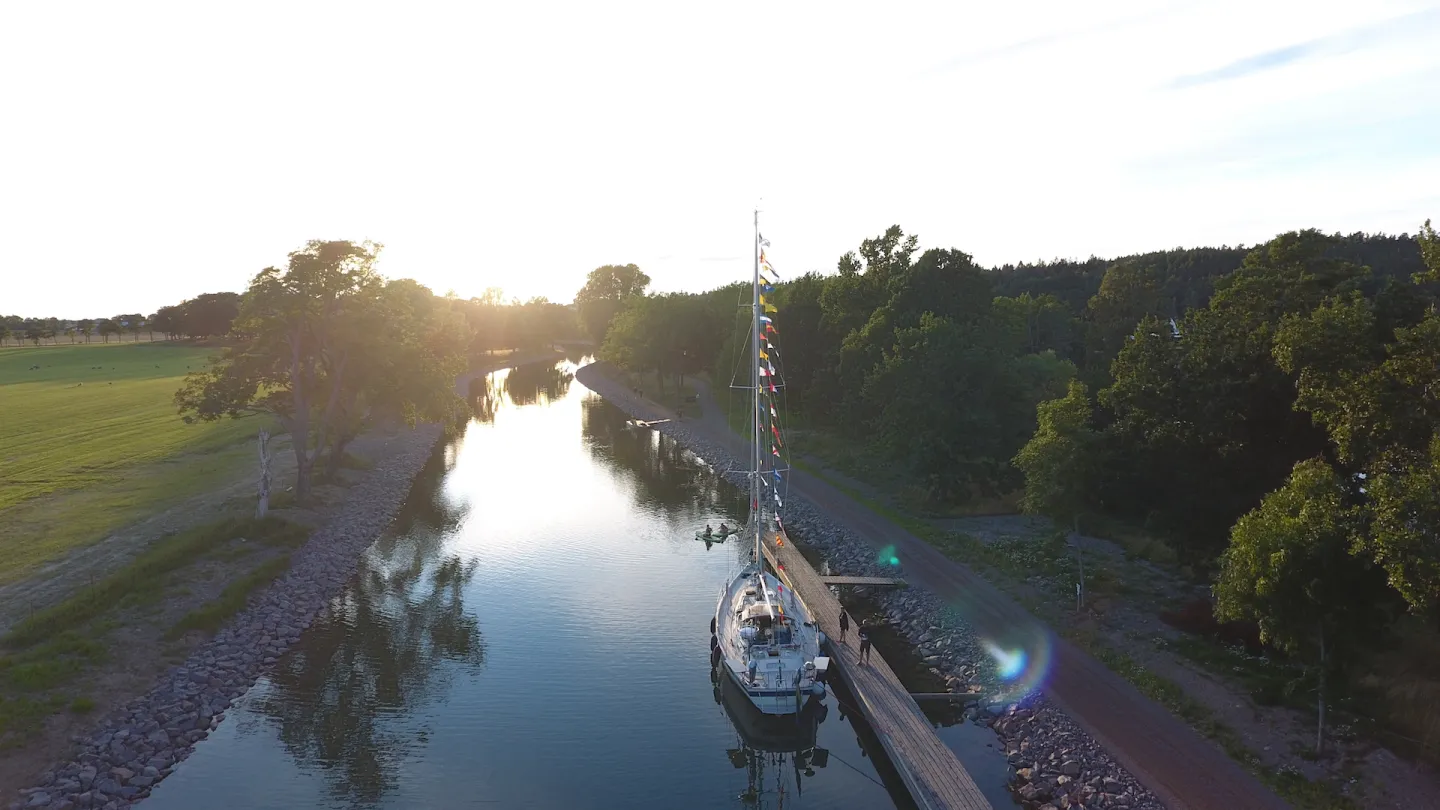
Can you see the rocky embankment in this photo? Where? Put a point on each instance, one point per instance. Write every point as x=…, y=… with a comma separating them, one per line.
x=139, y=744
x=1054, y=763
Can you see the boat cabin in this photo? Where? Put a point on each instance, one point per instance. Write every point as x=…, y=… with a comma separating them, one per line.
x=760, y=629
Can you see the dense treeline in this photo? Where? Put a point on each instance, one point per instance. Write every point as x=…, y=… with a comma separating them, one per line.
x=208, y=315
x=1270, y=412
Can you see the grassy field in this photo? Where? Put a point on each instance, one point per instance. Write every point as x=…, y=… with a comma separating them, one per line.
x=91, y=441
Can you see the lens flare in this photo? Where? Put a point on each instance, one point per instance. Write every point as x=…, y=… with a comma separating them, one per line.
x=1009, y=664
x=888, y=556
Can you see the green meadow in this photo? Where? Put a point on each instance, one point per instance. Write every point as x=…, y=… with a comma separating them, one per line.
x=90, y=441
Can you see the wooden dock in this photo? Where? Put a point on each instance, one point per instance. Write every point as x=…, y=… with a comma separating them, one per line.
x=867, y=582
x=931, y=772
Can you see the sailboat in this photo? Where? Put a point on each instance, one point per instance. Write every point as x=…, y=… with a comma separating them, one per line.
x=763, y=637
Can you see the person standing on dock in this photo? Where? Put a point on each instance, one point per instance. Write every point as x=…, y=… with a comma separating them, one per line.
x=864, y=644
x=844, y=624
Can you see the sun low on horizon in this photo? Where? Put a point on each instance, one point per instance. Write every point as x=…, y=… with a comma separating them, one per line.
x=157, y=151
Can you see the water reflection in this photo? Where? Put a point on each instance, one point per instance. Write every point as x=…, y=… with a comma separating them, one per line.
x=483, y=401
x=538, y=383
x=777, y=753
x=342, y=701
x=666, y=473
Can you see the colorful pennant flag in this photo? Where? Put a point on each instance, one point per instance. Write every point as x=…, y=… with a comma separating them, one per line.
x=770, y=308
x=763, y=241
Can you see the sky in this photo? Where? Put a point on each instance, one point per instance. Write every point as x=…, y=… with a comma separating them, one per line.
x=151, y=152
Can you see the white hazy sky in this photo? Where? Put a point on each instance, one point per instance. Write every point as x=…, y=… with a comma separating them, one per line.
x=150, y=152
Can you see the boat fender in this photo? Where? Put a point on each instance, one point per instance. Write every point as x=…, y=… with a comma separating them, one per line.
x=712, y=625
x=715, y=657
x=714, y=643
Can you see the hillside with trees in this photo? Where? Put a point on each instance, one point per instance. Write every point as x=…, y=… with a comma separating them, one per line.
x=1268, y=413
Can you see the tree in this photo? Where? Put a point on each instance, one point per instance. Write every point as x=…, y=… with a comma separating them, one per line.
x=169, y=320
x=302, y=325
x=86, y=327
x=1058, y=465
x=605, y=292
x=107, y=327
x=1290, y=569
x=1129, y=291
x=409, y=346
x=209, y=315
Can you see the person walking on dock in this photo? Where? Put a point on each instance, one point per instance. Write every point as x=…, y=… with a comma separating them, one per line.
x=844, y=624
x=864, y=644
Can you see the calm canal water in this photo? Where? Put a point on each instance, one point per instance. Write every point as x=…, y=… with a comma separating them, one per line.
x=533, y=633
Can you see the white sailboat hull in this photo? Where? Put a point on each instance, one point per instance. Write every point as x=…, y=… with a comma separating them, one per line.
x=768, y=643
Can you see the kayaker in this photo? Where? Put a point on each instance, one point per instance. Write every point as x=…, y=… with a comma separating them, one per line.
x=709, y=532
x=723, y=530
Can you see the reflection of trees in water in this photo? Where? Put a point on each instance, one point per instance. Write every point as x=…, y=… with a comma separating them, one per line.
x=483, y=399
x=669, y=476
x=341, y=701
x=530, y=384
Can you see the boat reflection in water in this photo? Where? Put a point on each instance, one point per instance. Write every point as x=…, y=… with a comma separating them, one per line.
x=782, y=746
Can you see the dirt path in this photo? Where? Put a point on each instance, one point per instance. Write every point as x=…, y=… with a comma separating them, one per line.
x=1183, y=769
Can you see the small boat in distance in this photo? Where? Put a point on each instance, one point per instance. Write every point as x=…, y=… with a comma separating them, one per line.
x=719, y=536
x=763, y=638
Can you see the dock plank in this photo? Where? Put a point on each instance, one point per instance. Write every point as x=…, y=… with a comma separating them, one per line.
x=871, y=582
x=934, y=776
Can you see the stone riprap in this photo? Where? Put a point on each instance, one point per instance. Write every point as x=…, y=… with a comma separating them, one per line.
x=1054, y=763
x=142, y=742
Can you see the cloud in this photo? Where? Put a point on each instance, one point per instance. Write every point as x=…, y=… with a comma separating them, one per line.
x=1333, y=45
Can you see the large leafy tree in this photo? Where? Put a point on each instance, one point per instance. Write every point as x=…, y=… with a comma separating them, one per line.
x=1205, y=410
x=305, y=326
x=606, y=290
x=1291, y=570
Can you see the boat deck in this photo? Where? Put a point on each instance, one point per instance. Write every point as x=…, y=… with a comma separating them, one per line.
x=934, y=776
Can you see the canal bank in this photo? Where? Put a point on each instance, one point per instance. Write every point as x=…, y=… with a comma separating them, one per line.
x=138, y=744
x=1052, y=758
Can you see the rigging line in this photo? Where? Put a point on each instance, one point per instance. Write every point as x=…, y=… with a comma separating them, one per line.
x=842, y=761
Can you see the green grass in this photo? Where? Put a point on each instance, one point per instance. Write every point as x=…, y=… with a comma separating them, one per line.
x=86, y=450
x=1289, y=785
x=21, y=717
x=212, y=615
x=82, y=705
x=141, y=578
x=51, y=663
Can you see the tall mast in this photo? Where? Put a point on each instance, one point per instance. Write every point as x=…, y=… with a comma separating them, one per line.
x=755, y=385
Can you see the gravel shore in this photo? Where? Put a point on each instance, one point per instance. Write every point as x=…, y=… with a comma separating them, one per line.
x=139, y=744
x=1054, y=763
